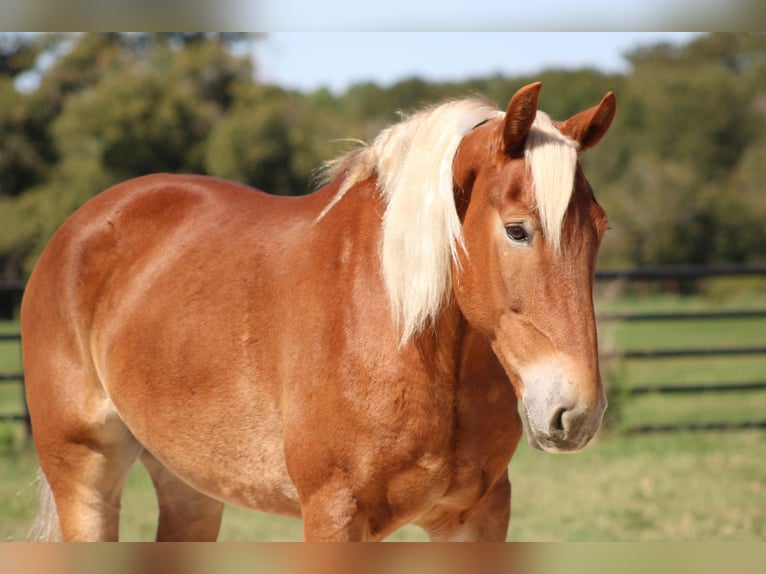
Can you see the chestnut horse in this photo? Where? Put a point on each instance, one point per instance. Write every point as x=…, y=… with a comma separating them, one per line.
x=352, y=357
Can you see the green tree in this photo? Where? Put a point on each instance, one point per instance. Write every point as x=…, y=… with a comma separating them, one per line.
x=18, y=53
x=23, y=161
x=134, y=124
x=264, y=141
x=688, y=120
x=112, y=106
x=26, y=154
x=741, y=210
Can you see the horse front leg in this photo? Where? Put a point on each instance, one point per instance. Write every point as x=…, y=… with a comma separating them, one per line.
x=331, y=514
x=487, y=521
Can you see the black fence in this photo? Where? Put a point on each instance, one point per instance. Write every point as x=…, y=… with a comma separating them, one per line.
x=679, y=272
x=669, y=277
x=684, y=278
x=10, y=297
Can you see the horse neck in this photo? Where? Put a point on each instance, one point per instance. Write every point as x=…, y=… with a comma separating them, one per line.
x=455, y=353
x=445, y=349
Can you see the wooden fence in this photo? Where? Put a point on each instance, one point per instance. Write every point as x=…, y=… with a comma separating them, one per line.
x=671, y=276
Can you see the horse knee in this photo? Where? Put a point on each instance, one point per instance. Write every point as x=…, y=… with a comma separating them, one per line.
x=332, y=514
x=487, y=521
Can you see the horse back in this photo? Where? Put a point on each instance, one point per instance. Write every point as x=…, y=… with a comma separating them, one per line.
x=135, y=240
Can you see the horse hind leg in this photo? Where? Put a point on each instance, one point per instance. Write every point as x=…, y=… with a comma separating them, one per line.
x=185, y=514
x=85, y=473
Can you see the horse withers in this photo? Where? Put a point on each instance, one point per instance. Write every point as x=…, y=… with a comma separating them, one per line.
x=352, y=357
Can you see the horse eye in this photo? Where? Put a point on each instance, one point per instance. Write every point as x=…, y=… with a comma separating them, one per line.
x=517, y=233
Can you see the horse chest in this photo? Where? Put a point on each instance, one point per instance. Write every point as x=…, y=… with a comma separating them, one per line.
x=485, y=434
x=461, y=455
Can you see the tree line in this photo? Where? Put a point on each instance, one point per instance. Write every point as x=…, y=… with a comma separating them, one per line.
x=680, y=174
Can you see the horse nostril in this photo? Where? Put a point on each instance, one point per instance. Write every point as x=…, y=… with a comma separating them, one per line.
x=557, y=421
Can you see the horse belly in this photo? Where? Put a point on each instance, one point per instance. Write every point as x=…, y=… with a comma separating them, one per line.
x=227, y=444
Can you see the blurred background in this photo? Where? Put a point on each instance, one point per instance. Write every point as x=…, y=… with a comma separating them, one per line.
x=681, y=290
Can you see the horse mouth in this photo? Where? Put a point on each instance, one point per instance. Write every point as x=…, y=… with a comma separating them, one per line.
x=545, y=443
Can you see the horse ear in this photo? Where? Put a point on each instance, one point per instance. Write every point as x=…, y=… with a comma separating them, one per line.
x=589, y=126
x=519, y=117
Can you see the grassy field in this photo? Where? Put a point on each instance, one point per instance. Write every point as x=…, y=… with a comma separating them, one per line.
x=679, y=486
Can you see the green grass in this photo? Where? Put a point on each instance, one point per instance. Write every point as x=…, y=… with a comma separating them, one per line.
x=686, y=486
x=18, y=492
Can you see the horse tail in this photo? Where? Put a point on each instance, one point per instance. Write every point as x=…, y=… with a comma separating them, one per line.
x=46, y=526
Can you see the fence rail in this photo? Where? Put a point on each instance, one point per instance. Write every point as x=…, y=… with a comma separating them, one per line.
x=681, y=316
x=686, y=352
x=715, y=426
x=676, y=273
x=681, y=272
x=696, y=388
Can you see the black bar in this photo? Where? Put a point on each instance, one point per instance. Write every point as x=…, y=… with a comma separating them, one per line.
x=681, y=272
x=9, y=377
x=680, y=427
x=12, y=287
x=677, y=353
x=682, y=316
x=698, y=388
x=10, y=336
x=18, y=417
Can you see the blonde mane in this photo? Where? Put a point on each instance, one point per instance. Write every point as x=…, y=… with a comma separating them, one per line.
x=552, y=159
x=421, y=229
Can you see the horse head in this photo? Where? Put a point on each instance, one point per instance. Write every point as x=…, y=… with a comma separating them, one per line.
x=531, y=229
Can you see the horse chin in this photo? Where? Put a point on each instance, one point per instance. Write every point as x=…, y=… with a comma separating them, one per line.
x=533, y=442
x=544, y=444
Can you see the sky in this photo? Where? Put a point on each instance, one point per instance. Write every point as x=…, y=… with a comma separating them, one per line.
x=400, y=15
x=308, y=61
x=498, y=15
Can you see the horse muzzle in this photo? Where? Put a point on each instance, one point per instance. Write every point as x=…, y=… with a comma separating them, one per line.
x=561, y=416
